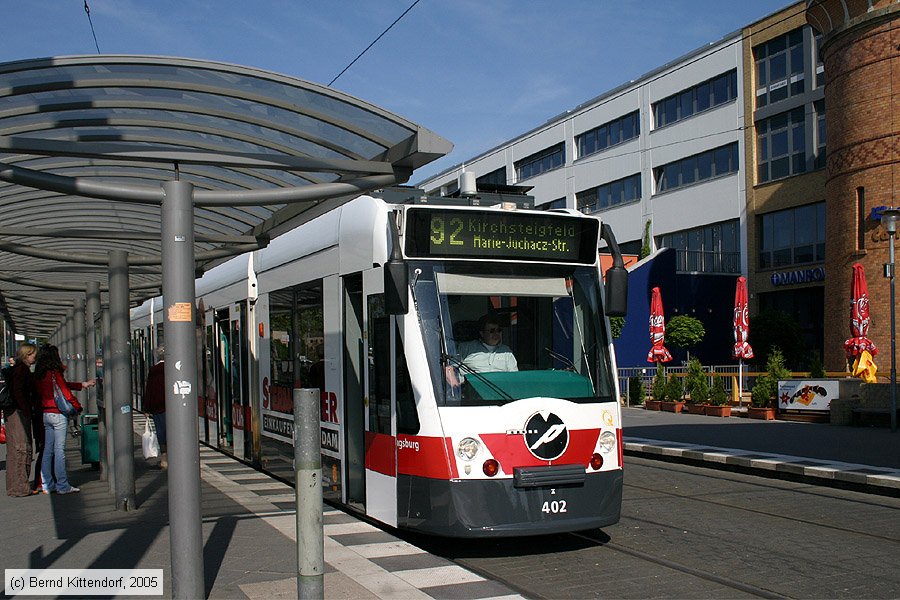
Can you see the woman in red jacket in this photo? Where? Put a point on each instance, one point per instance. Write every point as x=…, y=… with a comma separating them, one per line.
x=49, y=368
x=18, y=423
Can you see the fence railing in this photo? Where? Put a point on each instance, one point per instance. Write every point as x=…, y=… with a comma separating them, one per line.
x=729, y=373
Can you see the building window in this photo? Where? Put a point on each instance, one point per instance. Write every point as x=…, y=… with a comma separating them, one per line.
x=545, y=160
x=795, y=236
x=609, y=134
x=558, y=203
x=711, y=249
x=821, y=154
x=701, y=97
x=697, y=168
x=781, y=142
x=621, y=191
x=497, y=177
x=820, y=64
x=779, y=68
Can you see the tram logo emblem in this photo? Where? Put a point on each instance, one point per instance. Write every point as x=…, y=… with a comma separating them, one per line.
x=546, y=436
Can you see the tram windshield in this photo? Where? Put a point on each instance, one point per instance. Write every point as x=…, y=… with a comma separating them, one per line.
x=507, y=332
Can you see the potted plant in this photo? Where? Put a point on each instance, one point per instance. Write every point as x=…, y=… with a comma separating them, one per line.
x=636, y=391
x=696, y=387
x=674, y=401
x=762, y=396
x=657, y=390
x=718, y=400
x=685, y=332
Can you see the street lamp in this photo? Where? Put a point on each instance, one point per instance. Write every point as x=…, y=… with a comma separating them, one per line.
x=889, y=217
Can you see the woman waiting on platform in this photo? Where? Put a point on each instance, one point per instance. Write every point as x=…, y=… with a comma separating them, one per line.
x=18, y=423
x=49, y=368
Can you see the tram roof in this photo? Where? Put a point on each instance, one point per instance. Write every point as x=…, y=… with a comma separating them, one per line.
x=86, y=143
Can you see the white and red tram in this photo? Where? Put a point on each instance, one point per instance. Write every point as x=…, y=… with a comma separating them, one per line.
x=369, y=302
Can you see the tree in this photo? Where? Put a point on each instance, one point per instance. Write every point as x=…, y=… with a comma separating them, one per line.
x=684, y=332
x=646, y=246
x=615, y=326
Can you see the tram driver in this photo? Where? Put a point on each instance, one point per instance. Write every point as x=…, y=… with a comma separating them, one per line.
x=485, y=355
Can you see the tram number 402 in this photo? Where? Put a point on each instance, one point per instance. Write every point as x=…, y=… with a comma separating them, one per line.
x=554, y=507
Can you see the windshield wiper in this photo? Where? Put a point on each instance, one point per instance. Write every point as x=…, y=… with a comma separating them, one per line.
x=453, y=361
x=563, y=359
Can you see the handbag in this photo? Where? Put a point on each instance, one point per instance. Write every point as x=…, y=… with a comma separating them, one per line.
x=63, y=405
x=149, y=443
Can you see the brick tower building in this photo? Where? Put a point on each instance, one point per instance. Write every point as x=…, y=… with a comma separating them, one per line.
x=861, y=52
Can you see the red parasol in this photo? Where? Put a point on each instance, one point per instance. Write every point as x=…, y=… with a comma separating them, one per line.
x=742, y=349
x=658, y=352
x=859, y=316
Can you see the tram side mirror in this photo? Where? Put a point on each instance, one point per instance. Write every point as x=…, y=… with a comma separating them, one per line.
x=616, y=292
x=616, y=282
x=396, y=288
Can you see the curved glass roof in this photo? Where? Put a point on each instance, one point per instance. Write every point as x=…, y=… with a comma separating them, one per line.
x=260, y=148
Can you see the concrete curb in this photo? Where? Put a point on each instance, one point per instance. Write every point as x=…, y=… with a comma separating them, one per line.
x=876, y=480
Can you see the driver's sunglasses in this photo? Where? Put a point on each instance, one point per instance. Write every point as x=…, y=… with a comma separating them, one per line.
x=492, y=330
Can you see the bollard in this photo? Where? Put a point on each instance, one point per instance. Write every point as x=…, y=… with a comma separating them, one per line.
x=308, y=487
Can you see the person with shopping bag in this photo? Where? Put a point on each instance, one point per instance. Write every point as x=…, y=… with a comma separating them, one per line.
x=58, y=404
x=153, y=403
x=18, y=423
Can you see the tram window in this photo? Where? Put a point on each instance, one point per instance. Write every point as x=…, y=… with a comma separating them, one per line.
x=407, y=416
x=379, y=372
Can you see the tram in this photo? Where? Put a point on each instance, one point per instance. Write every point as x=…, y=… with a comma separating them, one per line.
x=372, y=303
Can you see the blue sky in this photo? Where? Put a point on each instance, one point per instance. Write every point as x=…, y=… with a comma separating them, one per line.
x=476, y=72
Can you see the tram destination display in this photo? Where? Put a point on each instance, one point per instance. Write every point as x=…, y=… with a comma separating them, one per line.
x=457, y=233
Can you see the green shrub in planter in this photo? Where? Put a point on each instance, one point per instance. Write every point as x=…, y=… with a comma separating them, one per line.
x=718, y=396
x=636, y=390
x=696, y=383
x=674, y=389
x=658, y=390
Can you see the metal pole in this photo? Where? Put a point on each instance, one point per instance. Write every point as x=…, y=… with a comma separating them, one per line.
x=105, y=429
x=893, y=344
x=308, y=484
x=92, y=309
x=185, y=532
x=78, y=360
x=120, y=367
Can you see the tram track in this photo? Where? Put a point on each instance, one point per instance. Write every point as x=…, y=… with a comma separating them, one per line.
x=657, y=557
x=761, y=512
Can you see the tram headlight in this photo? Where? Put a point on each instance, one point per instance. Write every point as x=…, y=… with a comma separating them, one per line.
x=607, y=442
x=468, y=448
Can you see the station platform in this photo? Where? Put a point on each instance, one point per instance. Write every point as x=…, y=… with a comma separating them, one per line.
x=249, y=536
x=249, y=522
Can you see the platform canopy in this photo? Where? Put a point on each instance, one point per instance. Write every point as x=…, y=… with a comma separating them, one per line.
x=86, y=143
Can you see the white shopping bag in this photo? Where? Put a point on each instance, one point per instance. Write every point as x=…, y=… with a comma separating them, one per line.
x=149, y=442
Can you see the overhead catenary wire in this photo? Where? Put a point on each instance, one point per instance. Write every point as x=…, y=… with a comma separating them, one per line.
x=87, y=10
x=375, y=41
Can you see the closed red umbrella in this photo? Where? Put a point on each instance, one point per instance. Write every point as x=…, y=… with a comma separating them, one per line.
x=859, y=316
x=658, y=352
x=742, y=349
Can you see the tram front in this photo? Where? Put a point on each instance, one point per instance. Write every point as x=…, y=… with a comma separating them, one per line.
x=518, y=354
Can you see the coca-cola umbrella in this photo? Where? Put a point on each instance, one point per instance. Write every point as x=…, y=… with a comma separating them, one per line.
x=859, y=316
x=658, y=352
x=742, y=349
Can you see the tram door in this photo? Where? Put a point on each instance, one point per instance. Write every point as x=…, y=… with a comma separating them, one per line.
x=381, y=442
x=238, y=377
x=354, y=395
x=229, y=379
